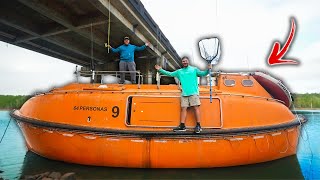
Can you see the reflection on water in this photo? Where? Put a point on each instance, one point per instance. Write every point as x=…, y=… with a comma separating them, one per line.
x=16, y=162
x=12, y=148
x=286, y=168
x=309, y=149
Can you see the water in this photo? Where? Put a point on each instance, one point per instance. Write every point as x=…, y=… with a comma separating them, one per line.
x=15, y=161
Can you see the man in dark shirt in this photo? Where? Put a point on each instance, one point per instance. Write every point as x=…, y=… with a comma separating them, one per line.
x=126, y=52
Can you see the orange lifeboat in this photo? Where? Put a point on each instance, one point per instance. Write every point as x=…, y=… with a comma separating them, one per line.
x=131, y=125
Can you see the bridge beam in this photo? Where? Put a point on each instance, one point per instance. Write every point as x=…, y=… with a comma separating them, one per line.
x=75, y=31
x=60, y=17
x=57, y=32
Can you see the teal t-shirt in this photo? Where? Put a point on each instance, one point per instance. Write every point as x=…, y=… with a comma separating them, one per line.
x=188, y=78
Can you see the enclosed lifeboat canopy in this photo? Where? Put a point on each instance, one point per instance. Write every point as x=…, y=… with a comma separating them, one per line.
x=274, y=87
x=131, y=125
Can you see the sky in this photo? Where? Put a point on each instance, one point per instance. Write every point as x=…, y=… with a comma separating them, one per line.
x=247, y=30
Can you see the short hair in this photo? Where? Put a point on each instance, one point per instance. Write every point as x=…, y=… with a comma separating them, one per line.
x=185, y=57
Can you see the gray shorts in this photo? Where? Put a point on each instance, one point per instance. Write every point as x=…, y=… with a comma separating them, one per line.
x=131, y=66
x=189, y=101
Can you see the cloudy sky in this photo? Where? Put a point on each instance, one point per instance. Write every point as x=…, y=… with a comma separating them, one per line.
x=247, y=30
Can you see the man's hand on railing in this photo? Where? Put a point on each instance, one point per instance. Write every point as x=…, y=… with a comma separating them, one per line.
x=107, y=45
x=157, y=67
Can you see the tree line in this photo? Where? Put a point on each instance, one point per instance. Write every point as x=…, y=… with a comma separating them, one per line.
x=12, y=102
x=306, y=100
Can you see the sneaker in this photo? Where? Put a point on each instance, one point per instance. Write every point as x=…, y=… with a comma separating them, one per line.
x=180, y=128
x=197, y=129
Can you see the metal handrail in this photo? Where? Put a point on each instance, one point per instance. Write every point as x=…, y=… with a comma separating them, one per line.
x=139, y=75
x=112, y=73
x=158, y=78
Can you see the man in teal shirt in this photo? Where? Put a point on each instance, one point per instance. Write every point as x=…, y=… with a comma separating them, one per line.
x=190, y=91
x=127, y=58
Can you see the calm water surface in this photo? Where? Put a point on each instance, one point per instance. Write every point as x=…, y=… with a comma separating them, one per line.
x=15, y=161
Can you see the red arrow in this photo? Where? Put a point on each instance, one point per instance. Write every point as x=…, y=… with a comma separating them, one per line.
x=275, y=56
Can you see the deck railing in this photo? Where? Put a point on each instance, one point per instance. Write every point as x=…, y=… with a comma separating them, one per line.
x=102, y=74
x=141, y=76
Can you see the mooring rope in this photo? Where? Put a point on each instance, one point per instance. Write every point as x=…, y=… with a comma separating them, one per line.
x=264, y=137
x=287, y=134
x=230, y=140
x=5, y=130
x=296, y=114
x=306, y=141
x=311, y=152
x=282, y=152
x=302, y=128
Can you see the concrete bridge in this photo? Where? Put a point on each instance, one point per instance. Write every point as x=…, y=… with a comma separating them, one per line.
x=76, y=30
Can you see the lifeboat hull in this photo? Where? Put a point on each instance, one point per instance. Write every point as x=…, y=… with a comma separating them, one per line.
x=143, y=151
x=117, y=127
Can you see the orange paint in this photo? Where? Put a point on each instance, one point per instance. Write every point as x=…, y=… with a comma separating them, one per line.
x=123, y=126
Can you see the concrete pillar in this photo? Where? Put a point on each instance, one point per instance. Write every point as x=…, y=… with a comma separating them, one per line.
x=149, y=71
x=148, y=74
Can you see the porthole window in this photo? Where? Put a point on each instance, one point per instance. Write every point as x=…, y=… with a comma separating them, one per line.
x=247, y=82
x=229, y=82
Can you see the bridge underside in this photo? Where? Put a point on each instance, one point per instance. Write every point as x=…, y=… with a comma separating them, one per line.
x=76, y=30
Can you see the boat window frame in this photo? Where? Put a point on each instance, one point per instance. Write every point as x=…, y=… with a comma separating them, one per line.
x=224, y=82
x=247, y=85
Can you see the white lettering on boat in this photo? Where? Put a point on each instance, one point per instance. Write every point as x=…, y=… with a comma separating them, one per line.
x=258, y=137
x=290, y=130
x=236, y=139
x=135, y=140
x=276, y=134
x=48, y=131
x=160, y=141
x=209, y=140
x=90, y=137
x=68, y=135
